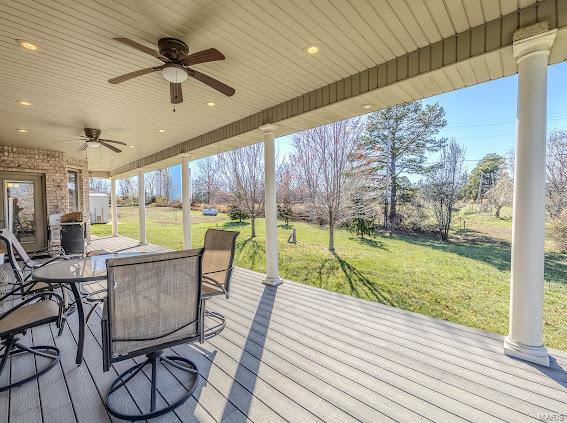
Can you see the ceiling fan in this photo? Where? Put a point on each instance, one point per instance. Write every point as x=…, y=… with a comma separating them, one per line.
x=175, y=55
x=92, y=139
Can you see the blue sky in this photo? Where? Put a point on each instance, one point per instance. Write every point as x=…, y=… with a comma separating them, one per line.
x=481, y=117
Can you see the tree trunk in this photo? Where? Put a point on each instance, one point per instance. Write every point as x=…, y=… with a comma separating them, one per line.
x=253, y=220
x=331, y=237
x=393, y=194
x=498, y=211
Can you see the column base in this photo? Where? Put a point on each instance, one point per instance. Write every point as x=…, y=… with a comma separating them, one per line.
x=142, y=243
x=537, y=355
x=271, y=281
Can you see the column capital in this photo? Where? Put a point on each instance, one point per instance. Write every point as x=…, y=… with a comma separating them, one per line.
x=269, y=128
x=188, y=156
x=533, y=39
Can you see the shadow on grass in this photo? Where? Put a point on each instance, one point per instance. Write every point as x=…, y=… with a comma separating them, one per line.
x=250, y=248
x=232, y=225
x=494, y=252
x=360, y=285
x=369, y=242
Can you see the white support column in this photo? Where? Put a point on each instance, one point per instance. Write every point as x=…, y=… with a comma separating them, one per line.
x=186, y=201
x=113, y=210
x=142, y=205
x=525, y=338
x=270, y=206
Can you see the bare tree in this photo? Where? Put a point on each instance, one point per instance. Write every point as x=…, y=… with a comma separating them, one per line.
x=322, y=157
x=243, y=173
x=501, y=193
x=286, y=194
x=443, y=185
x=99, y=185
x=556, y=173
x=127, y=190
x=207, y=183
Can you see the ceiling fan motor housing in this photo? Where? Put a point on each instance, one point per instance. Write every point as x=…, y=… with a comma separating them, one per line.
x=92, y=133
x=173, y=49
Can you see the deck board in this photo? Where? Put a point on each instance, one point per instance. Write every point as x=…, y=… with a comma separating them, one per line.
x=301, y=354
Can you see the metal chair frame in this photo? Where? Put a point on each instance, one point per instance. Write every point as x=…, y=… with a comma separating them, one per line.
x=11, y=346
x=154, y=356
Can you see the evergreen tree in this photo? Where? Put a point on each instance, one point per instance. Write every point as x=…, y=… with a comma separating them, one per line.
x=484, y=176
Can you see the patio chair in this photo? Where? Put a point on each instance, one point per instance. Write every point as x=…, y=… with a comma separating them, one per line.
x=39, y=309
x=13, y=246
x=218, y=260
x=153, y=305
x=94, y=293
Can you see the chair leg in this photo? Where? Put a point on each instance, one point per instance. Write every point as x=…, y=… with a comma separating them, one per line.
x=154, y=360
x=219, y=319
x=13, y=347
x=91, y=311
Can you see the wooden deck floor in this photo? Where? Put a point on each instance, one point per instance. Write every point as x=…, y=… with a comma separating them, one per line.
x=302, y=354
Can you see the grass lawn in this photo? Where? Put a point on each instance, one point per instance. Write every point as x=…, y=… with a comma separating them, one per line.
x=464, y=281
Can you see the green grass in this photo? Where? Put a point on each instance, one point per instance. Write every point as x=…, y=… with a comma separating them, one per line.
x=464, y=281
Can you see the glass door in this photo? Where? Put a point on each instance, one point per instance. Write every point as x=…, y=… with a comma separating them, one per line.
x=23, y=209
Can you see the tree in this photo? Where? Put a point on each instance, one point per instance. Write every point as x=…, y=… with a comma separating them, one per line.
x=322, y=159
x=362, y=214
x=484, y=175
x=556, y=173
x=443, y=184
x=243, y=172
x=207, y=183
x=99, y=185
x=396, y=141
x=286, y=190
x=501, y=193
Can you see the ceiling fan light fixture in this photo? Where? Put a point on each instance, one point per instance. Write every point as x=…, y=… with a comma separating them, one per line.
x=92, y=144
x=174, y=73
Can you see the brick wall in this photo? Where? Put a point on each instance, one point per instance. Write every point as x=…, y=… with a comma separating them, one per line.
x=53, y=165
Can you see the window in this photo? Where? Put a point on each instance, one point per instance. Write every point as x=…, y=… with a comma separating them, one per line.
x=73, y=188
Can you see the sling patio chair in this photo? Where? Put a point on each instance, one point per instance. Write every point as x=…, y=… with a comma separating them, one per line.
x=152, y=304
x=94, y=293
x=38, y=309
x=218, y=258
x=22, y=276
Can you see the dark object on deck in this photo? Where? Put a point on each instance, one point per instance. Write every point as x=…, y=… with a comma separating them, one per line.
x=217, y=273
x=152, y=304
x=73, y=238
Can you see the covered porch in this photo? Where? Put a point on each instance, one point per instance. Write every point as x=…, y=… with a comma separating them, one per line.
x=299, y=353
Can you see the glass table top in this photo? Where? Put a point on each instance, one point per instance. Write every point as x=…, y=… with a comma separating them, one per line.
x=75, y=270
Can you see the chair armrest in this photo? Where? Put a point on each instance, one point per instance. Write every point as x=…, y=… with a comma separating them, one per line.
x=41, y=295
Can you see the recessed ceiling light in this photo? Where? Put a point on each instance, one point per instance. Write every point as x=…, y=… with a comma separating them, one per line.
x=22, y=130
x=366, y=106
x=25, y=103
x=131, y=146
x=112, y=157
x=161, y=130
x=312, y=49
x=211, y=104
x=26, y=44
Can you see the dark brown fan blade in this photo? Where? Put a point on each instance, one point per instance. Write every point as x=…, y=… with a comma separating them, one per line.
x=141, y=48
x=112, y=141
x=113, y=148
x=211, y=82
x=131, y=75
x=83, y=146
x=175, y=93
x=209, y=55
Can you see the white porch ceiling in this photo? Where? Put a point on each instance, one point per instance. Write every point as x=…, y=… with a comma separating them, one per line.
x=263, y=40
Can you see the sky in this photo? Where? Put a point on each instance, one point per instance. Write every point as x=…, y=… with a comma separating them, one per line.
x=482, y=117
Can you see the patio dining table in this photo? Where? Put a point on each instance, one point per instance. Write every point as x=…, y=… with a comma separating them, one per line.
x=73, y=272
